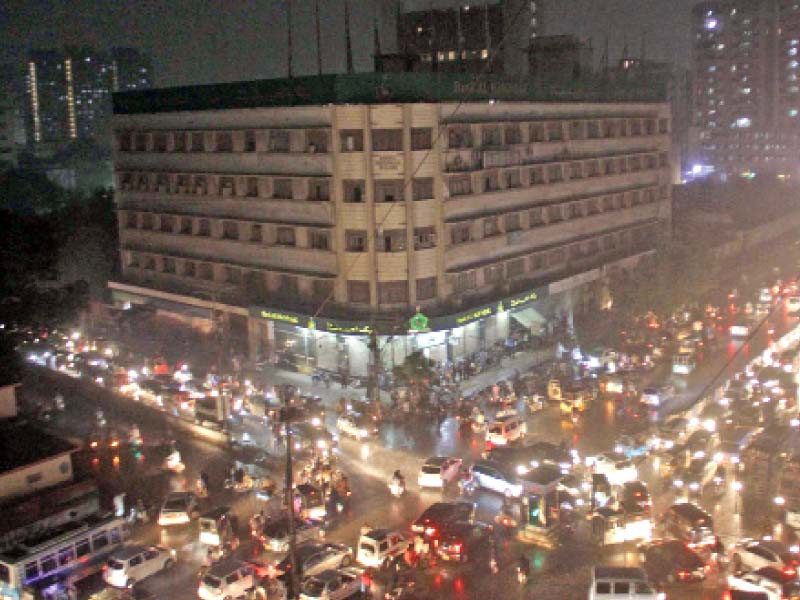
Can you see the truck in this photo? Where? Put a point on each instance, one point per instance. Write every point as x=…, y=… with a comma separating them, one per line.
x=333, y=584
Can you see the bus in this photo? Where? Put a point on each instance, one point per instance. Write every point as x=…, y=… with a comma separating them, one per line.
x=38, y=566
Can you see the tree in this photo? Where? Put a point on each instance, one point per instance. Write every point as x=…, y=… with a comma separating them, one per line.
x=415, y=369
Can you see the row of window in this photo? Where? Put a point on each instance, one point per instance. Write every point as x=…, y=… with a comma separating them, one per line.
x=538, y=262
x=498, y=134
x=270, y=140
x=554, y=172
x=263, y=285
x=539, y=216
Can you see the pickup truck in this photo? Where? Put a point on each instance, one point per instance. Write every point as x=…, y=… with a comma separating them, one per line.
x=333, y=584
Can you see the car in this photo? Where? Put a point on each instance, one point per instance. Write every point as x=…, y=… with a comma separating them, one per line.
x=178, y=508
x=134, y=562
x=315, y=558
x=377, y=546
x=694, y=478
x=332, y=584
x=755, y=554
x=356, y=426
x=434, y=518
x=651, y=396
x=496, y=477
x=740, y=328
x=774, y=582
x=616, y=467
x=522, y=459
x=461, y=540
x=276, y=533
x=793, y=304
x=688, y=523
x=636, y=493
x=308, y=438
x=765, y=295
x=621, y=583
x=671, y=561
x=229, y=578
x=505, y=431
x=439, y=471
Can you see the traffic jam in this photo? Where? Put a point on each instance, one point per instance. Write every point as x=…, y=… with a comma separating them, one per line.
x=682, y=493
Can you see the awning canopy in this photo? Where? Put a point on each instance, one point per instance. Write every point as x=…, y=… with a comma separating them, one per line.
x=529, y=317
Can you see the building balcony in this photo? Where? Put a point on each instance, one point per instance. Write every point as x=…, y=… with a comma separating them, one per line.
x=228, y=163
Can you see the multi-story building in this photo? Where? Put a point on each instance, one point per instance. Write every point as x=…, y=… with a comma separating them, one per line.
x=746, y=86
x=307, y=212
x=69, y=91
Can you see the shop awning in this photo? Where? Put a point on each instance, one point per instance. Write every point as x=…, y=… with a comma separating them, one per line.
x=528, y=317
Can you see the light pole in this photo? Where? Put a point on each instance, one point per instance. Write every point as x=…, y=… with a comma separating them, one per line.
x=286, y=392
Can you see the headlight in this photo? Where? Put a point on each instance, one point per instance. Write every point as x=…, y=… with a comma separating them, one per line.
x=694, y=486
x=322, y=444
x=521, y=470
x=779, y=500
x=315, y=421
x=678, y=483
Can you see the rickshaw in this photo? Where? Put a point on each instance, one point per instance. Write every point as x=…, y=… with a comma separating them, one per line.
x=309, y=502
x=217, y=527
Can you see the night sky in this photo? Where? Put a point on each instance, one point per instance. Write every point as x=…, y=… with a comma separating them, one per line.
x=197, y=41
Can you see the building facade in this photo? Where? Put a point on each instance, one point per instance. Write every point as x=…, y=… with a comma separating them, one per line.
x=69, y=91
x=305, y=227
x=746, y=95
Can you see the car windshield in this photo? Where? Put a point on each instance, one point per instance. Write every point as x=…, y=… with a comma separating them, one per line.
x=113, y=563
x=496, y=429
x=366, y=547
x=175, y=505
x=430, y=469
x=314, y=588
x=212, y=581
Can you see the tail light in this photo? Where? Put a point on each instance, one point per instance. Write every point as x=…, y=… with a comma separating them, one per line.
x=790, y=571
x=683, y=574
x=457, y=548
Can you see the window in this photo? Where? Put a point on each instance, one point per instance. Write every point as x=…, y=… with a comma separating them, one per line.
x=426, y=288
x=535, y=218
x=159, y=142
x=355, y=240
x=141, y=142
x=574, y=210
x=285, y=236
x=387, y=139
x=33, y=478
x=464, y=282
x=319, y=190
x=124, y=141
x=491, y=136
x=536, y=132
x=392, y=240
x=515, y=268
x=282, y=188
x=189, y=269
x=460, y=186
x=133, y=260
x=5, y=574
x=421, y=138
x=150, y=263
x=278, y=140
x=255, y=233
x=82, y=548
x=609, y=129
x=179, y=141
x=352, y=140
x=249, y=141
x=491, y=227
x=198, y=142
x=316, y=141
x=148, y=221
x=643, y=588
x=622, y=587
x=393, y=292
x=576, y=130
x=319, y=240
x=554, y=214
x=554, y=174
x=493, y=274
x=592, y=168
x=206, y=272
x=555, y=132
x=131, y=220
x=459, y=138
x=635, y=164
x=650, y=126
x=167, y=224
x=490, y=183
x=48, y=563
x=353, y=190
x=460, y=233
x=232, y=275
x=230, y=230
x=422, y=188
x=252, y=187
x=536, y=262
x=99, y=540
x=663, y=126
x=513, y=134
x=512, y=179
x=602, y=587
x=389, y=190
x=322, y=289
x=635, y=126
x=593, y=130
x=575, y=170
x=358, y=291
x=204, y=228
x=31, y=570
x=168, y=265
x=424, y=237
x=536, y=176
x=511, y=222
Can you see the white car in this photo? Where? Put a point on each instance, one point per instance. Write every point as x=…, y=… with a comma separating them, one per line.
x=316, y=558
x=178, y=508
x=793, y=304
x=505, y=431
x=332, y=585
x=377, y=546
x=757, y=584
x=616, y=467
x=439, y=471
x=651, y=396
x=355, y=426
x=493, y=476
x=230, y=578
x=132, y=563
x=756, y=554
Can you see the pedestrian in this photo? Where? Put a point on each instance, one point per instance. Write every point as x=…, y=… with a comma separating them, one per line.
x=366, y=584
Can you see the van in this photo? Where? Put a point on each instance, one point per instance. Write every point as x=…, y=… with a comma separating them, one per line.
x=621, y=583
x=505, y=431
x=227, y=579
x=688, y=523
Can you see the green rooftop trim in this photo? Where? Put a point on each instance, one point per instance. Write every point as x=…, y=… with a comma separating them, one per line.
x=380, y=88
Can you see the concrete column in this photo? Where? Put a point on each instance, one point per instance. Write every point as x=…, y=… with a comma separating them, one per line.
x=253, y=337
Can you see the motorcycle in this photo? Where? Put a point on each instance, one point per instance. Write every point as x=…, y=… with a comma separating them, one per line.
x=397, y=487
x=522, y=575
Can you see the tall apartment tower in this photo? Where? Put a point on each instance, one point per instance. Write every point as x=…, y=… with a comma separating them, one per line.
x=746, y=97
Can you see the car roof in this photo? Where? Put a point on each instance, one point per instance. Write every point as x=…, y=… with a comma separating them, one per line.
x=379, y=534
x=129, y=550
x=604, y=572
x=225, y=567
x=773, y=545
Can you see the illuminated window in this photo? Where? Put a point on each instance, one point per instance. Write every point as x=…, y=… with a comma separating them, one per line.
x=743, y=122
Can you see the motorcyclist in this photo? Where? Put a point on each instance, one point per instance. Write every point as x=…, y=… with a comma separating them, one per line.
x=397, y=478
x=524, y=566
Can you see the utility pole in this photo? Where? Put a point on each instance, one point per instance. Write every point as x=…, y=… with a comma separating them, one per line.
x=375, y=369
x=287, y=392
